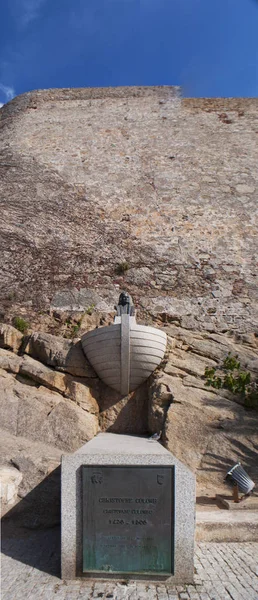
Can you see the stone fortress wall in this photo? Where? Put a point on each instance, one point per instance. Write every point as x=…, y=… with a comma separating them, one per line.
x=135, y=188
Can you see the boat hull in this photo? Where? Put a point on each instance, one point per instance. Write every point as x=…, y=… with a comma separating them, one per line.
x=124, y=354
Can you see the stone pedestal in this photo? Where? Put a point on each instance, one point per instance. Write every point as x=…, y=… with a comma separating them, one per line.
x=127, y=511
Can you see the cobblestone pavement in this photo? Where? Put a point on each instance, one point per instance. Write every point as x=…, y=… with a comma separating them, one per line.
x=30, y=571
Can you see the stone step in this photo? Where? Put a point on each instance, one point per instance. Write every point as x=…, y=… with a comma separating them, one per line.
x=226, y=526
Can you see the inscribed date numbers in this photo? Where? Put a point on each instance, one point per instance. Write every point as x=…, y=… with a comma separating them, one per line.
x=122, y=522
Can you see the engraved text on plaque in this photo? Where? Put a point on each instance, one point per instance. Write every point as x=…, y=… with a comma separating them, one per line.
x=128, y=519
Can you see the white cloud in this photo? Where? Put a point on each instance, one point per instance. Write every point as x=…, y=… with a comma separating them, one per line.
x=6, y=91
x=31, y=10
x=25, y=11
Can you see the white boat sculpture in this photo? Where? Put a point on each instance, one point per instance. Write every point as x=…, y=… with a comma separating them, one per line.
x=124, y=354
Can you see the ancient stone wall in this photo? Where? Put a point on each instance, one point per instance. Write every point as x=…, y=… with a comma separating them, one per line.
x=133, y=188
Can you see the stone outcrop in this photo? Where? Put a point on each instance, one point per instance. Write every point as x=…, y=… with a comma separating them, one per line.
x=160, y=398
x=51, y=402
x=10, y=338
x=123, y=415
x=10, y=479
x=40, y=414
x=36, y=466
x=9, y=361
x=76, y=389
x=46, y=410
x=208, y=429
x=63, y=355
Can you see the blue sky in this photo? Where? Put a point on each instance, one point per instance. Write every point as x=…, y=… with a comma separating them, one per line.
x=209, y=48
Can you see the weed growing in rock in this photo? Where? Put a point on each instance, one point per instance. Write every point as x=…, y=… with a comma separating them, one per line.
x=122, y=268
x=20, y=324
x=230, y=376
x=73, y=326
x=90, y=309
x=11, y=296
x=75, y=329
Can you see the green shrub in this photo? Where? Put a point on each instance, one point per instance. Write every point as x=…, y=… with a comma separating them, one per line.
x=233, y=378
x=20, y=324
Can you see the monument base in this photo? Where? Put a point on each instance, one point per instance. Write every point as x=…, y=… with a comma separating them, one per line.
x=128, y=511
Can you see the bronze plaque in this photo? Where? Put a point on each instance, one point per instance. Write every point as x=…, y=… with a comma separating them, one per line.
x=128, y=519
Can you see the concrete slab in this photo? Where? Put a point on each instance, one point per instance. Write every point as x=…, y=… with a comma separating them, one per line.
x=110, y=443
x=226, y=526
x=250, y=503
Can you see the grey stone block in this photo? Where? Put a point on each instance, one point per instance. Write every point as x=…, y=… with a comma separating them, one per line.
x=116, y=450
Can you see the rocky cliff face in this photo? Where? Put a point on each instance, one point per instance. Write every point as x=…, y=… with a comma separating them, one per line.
x=52, y=402
x=134, y=188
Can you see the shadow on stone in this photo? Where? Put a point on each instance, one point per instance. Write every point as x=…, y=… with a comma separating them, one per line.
x=127, y=414
x=125, y=423
x=206, y=501
x=31, y=529
x=240, y=453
